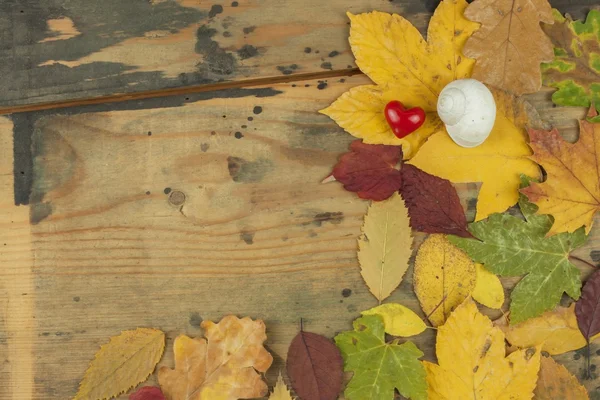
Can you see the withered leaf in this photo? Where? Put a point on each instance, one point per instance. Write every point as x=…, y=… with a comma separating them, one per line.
x=370, y=170
x=510, y=44
x=432, y=202
x=587, y=308
x=556, y=382
x=315, y=367
x=147, y=393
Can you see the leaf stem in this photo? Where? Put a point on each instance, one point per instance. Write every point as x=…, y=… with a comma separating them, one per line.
x=571, y=257
x=588, y=355
x=438, y=306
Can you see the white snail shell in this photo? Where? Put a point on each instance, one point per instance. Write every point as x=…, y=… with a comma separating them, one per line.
x=468, y=109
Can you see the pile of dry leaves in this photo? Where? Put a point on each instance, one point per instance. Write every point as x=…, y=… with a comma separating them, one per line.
x=409, y=180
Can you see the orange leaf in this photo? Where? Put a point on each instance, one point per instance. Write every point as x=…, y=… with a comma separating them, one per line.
x=555, y=382
x=510, y=45
x=571, y=192
x=221, y=367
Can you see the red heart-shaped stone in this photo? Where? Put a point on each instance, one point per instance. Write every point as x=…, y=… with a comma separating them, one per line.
x=403, y=121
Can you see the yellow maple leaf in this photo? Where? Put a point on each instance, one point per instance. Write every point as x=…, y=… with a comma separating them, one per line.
x=571, y=193
x=488, y=289
x=556, y=382
x=221, y=367
x=280, y=391
x=398, y=320
x=497, y=163
x=556, y=331
x=444, y=277
x=405, y=67
x=128, y=359
x=473, y=363
x=385, y=246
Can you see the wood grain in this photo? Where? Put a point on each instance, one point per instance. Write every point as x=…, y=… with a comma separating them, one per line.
x=61, y=50
x=164, y=213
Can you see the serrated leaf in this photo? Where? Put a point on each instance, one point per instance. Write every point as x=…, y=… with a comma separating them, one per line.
x=224, y=366
x=147, y=393
x=556, y=331
x=370, y=170
x=556, y=382
x=497, y=163
x=379, y=367
x=432, y=202
x=509, y=246
x=510, y=45
x=315, y=367
x=472, y=362
x=575, y=70
x=385, y=246
x=405, y=67
x=127, y=360
x=488, y=289
x=398, y=320
x=571, y=192
x=280, y=391
x=444, y=277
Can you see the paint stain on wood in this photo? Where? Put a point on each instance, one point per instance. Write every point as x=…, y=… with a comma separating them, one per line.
x=244, y=171
x=247, y=236
x=332, y=217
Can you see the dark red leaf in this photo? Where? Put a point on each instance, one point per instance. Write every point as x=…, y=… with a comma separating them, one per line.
x=370, y=170
x=432, y=202
x=147, y=393
x=315, y=367
x=587, y=308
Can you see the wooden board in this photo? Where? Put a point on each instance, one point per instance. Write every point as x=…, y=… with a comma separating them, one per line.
x=168, y=212
x=58, y=50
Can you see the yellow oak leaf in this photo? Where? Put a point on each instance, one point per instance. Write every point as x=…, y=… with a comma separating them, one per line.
x=404, y=67
x=124, y=362
x=385, y=246
x=488, y=288
x=571, y=193
x=556, y=331
x=398, y=320
x=473, y=363
x=444, y=277
x=556, y=382
x=280, y=391
x=224, y=366
x=497, y=163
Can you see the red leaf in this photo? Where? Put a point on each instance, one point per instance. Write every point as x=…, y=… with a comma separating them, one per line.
x=147, y=393
x=370, y=170
x=432, y=202
x=315, y=367
x=587, y=308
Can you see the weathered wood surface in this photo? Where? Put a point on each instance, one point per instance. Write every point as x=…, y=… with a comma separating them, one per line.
x=166, y=212
x=57, y=50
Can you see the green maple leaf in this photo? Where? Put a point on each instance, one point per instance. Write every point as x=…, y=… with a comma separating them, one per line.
x=510, y=246
x=575, y=70
x=379, y=367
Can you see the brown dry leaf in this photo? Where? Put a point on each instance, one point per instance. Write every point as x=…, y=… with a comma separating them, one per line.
x=221, y=367
x=127, y=360
x=556, y=382
x=510, y=45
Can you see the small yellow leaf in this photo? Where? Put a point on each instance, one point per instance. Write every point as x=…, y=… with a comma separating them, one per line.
x=385, y=246
x=497, y=163
x=124, y=362
x=473, y=363
x=398, y=320
x=280, y=391
x=444, y=277
x=224, y=366
x=488, y=288
x=392, y=52
x=556, y=331
x=556, y=382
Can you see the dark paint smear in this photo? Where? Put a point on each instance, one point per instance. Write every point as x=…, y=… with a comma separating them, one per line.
x=195, y=319
x=245, y=171
x=287, y=69
x=247, y=236
x=235, y=4
x=249, y=29
x=22, y=53
x=216, y=60
x=204, y=147
x=257, y=110
x=322, y=85
x=167, y=190
x=326, y=65
x=334, y=53
x=307, y=50
x=595, y=255
x=333, y=217
x=247, y=51
x=26, y=149
x=346, y=292
x=238, y=135
x=215, y=10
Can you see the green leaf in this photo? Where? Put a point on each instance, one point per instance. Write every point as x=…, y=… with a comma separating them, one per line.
x=510, y=246
x=575, y=70
x=379, y=367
